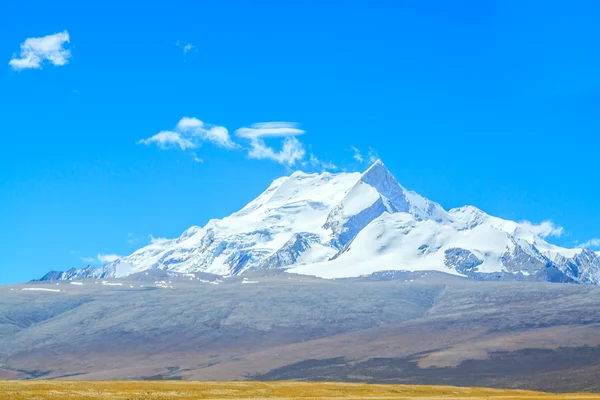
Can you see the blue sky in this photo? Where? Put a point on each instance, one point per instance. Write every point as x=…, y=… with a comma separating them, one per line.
x=493, y=104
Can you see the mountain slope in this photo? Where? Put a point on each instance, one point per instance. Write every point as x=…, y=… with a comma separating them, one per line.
x=351, y=224
x=410, y=327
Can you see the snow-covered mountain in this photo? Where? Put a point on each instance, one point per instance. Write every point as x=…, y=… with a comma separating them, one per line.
x=352, y=224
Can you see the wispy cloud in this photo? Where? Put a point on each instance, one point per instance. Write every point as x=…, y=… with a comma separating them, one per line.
x=169, y=139
x=544, y=229
x=270, y=129
x=189, y=133
x=369, y=158
x=592, y=243
x=373, y=156
x=357, y=154
x=320, y=164
x=35, y=51
x=196, y=158
x=187, y=47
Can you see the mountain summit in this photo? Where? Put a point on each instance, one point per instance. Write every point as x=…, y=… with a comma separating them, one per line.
x=352, y=224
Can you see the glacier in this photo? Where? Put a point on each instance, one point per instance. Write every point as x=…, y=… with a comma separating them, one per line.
x=351, y=224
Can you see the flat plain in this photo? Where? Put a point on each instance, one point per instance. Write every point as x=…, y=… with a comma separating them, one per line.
x=254, y=390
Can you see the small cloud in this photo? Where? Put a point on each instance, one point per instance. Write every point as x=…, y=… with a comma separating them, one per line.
x=370, y=157
x=189, y=133
x=194, y=128
x=270, y=129
x=545, y=229
x=101, y=258
x=592, y=243
x=186, y=47
x=292, y=150
x=373, y=156
x=159, y=240
x=34, y=51
x=357, y=155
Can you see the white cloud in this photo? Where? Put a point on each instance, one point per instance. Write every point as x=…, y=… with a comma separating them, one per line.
x=169, y=139
x=158, y=240
x=595, y=242
x=189, y=123
x=370, y=157
x=102, y=258
x=190, y=133
x=219, y=136
x=194, y=128
x=291, y=151
x=315, y=162
x=357, y=155
x=373, y=156
x=545, y=229
x=270, y=129
x=34, y=51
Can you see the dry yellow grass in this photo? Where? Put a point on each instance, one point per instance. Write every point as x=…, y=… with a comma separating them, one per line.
x=43, y=390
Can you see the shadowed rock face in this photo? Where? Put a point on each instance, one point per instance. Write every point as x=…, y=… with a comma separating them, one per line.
x=391, y=327
x=461, y=260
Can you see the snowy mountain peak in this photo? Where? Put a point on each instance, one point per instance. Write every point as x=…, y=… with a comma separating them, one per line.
x=377, y=164
x=377, y=172
x=382, y=180
x=191, y=231
x=351, y=224
x=468, y=210
x=470, y=216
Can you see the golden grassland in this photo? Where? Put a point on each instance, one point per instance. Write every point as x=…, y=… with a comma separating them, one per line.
x=131, y=390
